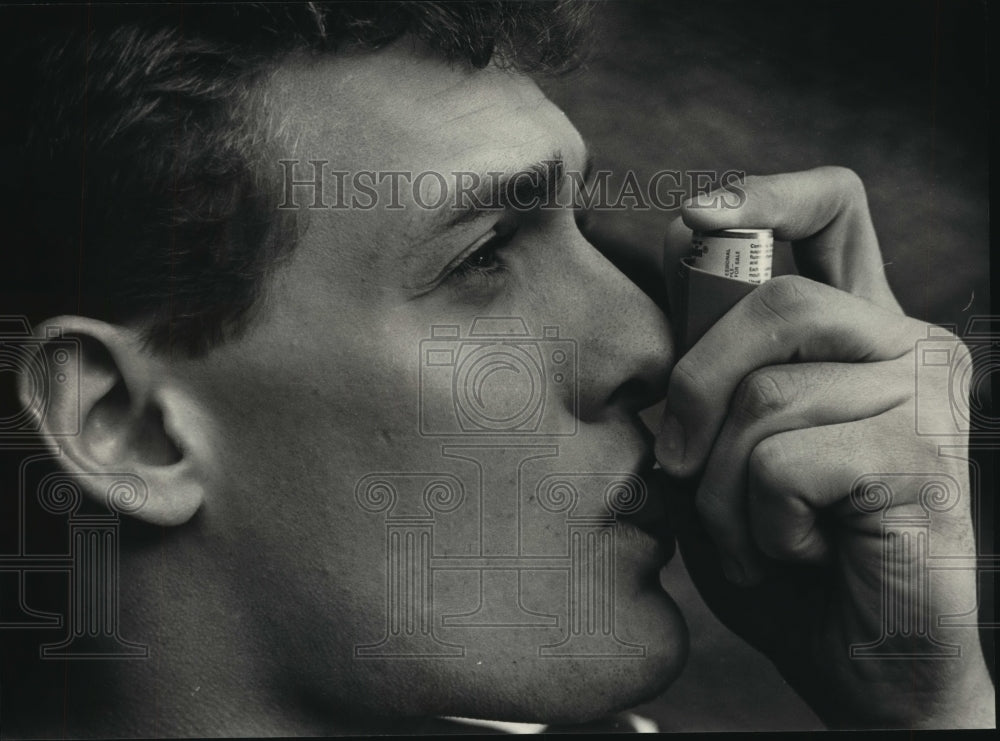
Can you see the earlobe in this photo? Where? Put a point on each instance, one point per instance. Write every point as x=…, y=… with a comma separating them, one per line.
x=112, y=407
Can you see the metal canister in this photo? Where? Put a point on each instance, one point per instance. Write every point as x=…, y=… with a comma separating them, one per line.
x=739, y=254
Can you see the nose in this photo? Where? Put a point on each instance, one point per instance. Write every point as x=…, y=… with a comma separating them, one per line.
x=624, y=343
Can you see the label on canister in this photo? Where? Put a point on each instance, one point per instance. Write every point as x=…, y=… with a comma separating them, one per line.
x=740, y=254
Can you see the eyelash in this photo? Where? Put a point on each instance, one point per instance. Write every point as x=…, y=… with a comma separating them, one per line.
x=472, y=267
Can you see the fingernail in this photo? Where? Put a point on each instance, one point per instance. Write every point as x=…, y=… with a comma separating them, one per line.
x=670, y=442
x=702, y=200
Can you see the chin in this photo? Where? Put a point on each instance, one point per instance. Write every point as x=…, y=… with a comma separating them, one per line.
x=580, y=689
x=503, y=677
x=598, y=687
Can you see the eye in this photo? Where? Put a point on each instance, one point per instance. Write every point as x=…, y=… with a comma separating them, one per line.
x=485, y=261
x=485, y=258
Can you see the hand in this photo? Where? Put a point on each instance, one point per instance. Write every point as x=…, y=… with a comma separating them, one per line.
x=772, y=417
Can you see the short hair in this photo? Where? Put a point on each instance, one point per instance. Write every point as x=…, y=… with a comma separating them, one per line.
x=135, y=175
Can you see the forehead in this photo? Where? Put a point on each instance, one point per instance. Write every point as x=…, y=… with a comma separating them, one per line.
x=404, y=108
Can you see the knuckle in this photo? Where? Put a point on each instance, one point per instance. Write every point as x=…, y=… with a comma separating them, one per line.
x=768, y=465
x=761, y=394
x=846, y=182
x=947, y=389
x=960, y=354
x=771, y=492
x=787, y=297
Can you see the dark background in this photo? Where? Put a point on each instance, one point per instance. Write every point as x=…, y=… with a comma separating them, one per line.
x=897, y=91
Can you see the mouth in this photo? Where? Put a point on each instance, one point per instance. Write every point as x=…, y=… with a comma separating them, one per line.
x=651, y=518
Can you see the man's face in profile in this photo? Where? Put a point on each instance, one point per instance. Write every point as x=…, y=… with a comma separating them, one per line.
x=326, y=391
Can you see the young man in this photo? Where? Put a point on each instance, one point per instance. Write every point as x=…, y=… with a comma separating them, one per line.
x=352, y=503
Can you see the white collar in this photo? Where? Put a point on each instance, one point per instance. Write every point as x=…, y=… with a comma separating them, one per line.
x=639, y=724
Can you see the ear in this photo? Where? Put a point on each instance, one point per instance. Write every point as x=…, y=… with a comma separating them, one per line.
x=113, y=407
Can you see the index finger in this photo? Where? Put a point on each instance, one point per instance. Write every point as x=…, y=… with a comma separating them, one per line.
x=824, y=214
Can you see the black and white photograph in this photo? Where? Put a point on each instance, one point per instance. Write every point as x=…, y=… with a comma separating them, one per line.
x=401, y=368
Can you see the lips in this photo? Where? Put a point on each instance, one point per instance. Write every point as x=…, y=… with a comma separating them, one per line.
x=652, y=518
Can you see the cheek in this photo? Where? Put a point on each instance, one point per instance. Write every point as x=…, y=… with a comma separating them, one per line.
x=309, y=538
x=324, y=448
x=300, y=426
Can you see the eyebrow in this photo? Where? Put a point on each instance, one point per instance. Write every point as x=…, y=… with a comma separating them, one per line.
x=537, y=179
x=538, y=182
